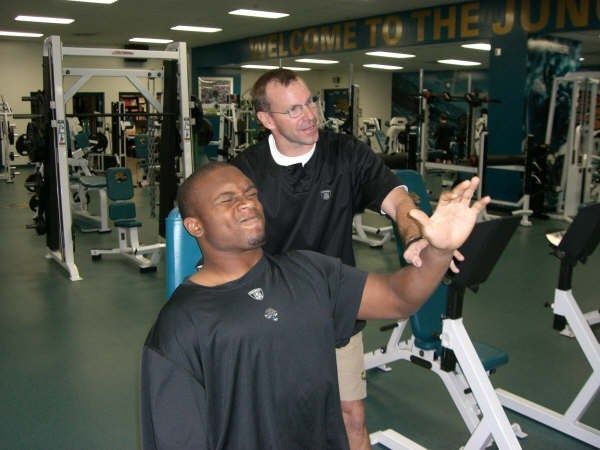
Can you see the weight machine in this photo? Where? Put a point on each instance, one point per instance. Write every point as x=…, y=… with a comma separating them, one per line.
x=82, y=182
x=441, y=343
x=371, y=134
x=477, y=160
x=581, y=164
x=235, y=131
x=58, y=238
x=396, y=135
x=7, y=141
x=579, y=242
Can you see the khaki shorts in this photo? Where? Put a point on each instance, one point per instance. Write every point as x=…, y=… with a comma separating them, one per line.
x=351, y=369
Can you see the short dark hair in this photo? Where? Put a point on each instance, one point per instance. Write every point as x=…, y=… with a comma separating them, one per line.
x=186, y=193
x=258, y=93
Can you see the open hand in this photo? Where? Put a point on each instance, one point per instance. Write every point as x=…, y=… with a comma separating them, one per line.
x=454, y=217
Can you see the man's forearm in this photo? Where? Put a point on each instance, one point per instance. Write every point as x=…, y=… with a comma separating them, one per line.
x=400, y=294
x=414, y=285
x=397, y=205
x=407, y=227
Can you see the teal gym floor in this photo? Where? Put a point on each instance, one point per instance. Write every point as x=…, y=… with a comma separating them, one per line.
x=70, y=351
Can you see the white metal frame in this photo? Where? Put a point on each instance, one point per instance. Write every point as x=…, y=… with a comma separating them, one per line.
x=372, y=236
x=87, y=182
x=576, y=185
x=522, y=205
x=397, y=126
x=468, y=385
x=55, y=51
x=569, y=421
x=8, y=173
x=144, y=256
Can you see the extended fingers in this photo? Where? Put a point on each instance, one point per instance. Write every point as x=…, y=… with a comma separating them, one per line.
x=447, y=196
x=481, y=203
x=465, y=190
x=458, y=256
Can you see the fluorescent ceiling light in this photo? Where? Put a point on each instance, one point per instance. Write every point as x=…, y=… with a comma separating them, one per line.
x=266, y=67
x=478, y=46
x=316, y=61
x=19, y=34
x=151, y=40
x=382, y=66
x=21, y=18
x=391, y=54
x=581, y=58
x=104, y=2
x=258, y=66
x=196, y=29
x=256, y=13
x=458, y=62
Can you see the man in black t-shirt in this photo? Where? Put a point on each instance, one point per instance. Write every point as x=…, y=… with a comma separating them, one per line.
x=312, y=183
x=242, y=356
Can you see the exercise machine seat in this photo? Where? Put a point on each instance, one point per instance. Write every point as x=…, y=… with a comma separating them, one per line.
x=119, y=189
x=426, y=323
x=183, y=253
x=82, y=140
x=93, y=181
x=141, y=146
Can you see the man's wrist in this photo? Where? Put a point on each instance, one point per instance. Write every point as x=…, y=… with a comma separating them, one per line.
x=408, y=242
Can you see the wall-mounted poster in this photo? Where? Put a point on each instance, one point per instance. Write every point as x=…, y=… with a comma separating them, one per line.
x=214, y=90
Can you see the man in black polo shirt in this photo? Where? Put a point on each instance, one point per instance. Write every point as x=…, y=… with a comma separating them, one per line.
x=311, y=184
x=242, y=356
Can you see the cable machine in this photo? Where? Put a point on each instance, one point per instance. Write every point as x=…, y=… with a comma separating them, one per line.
x=581, y=158
x=59, y=240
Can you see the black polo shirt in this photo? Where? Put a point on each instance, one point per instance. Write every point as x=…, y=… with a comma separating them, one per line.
x=312, y=206
x=250, y=364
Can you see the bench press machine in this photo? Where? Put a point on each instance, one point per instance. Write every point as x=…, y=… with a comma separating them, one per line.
x=579, y=242
x=441, y=343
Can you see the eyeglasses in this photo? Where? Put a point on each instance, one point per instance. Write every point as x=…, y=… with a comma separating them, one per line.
x=296, y=111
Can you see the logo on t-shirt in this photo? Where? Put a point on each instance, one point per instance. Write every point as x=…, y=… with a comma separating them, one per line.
x=256, y=294
x=326, y=194
x=271, y=314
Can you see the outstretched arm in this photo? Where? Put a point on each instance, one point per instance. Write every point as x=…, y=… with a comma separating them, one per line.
x=402, y=293
x=397, y=205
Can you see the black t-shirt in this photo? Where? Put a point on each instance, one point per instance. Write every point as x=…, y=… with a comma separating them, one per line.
x=311, y=207
x=250, y=364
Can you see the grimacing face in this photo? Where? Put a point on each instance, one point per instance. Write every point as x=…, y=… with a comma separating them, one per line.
x=230, y=216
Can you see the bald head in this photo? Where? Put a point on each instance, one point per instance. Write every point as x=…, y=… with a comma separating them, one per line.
x=188, y=192
x=220, y=207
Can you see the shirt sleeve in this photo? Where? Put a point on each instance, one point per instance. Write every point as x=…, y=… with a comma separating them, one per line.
x=173, y=405
x=351, y=283
x=372, y=179
x=345, y=285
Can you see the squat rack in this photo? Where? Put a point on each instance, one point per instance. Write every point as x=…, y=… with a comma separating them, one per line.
x=61, y=250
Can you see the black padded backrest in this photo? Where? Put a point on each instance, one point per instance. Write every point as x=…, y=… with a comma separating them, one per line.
x=583, y=235
x=483, y=249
